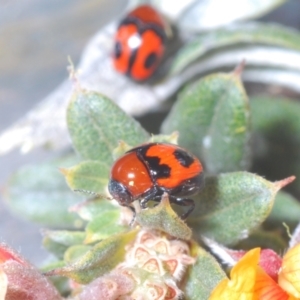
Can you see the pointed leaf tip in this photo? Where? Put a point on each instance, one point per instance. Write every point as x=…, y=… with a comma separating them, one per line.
x=97, y=261
x=64, y=171
x=231, y=206
x=282, y=183
x=238, y=71
x=162, y=217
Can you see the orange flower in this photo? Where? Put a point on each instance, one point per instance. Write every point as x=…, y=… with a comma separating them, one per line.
x=267, y=289
x=242, y=282
x=249, y=282
x=289, y=275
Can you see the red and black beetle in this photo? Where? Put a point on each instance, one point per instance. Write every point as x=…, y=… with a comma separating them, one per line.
x=139, y=43
x=144, y=173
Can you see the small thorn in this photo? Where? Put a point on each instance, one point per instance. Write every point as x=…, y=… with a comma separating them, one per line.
x=64, y=171
x=73, y=73
x=282, y=183
x=174, y=137
x=96, y=196
x=239, y=68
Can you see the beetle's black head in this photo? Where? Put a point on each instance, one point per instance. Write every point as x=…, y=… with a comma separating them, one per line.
x=120, y=192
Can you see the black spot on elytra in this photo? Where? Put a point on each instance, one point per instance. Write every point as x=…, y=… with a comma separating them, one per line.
x=150, y=60
x=118, y=50
x=183, y=157
x=158, y=170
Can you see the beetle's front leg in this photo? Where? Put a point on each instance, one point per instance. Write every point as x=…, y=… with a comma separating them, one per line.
x=153, y=195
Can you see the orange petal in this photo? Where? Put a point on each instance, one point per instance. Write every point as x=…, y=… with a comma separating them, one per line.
x=243, y=276
x=289, y=275
x=224, y=292
x=267, y=289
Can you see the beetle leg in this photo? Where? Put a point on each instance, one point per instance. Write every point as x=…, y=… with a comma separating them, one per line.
x=157, y=199
x=183, y=202
x=145, y=200
x=134, y=215
x=153, y=195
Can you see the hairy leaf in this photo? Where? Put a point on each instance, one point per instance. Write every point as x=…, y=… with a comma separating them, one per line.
x=212, y=117
x=39, y=193
x=99, y=260
x=203, y=276
x=232, y=205
x=90, y=176
x=97, y=125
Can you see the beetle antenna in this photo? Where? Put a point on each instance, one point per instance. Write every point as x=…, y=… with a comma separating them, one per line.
x=95, y=197
x=94, y=194
x=86, y=192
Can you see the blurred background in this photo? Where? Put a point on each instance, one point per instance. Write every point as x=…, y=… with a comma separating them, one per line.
x=36, y=37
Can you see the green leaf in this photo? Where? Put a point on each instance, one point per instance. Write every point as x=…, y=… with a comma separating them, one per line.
x=203, y=276
x=54, y=247
x=276, y=127
x=39, y=193
x=88, y=176
x=162, y=217
x=104, y=226
x=65, y=237
x=102, y=258
x=286, y=209
x=162, y=138
x=231, y=206
x=62, y=284
x=212, y=117
x=75, y=252
x=247, y=33
x=57, y=241
x=52, y=265
x=92, y=208
x=97, y=124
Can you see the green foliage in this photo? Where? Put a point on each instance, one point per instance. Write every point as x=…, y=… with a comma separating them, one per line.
x=98, y=260
x=88, y=176
x=97, y=125
x=163, y=218
x=232, y=205
x=286, y=209
x=244, y=146
x=229, y=208
x=39, y=193
x=212, y=117
x=104, y=226
x=276, y=130
x=203, y=276
x=236, y=208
